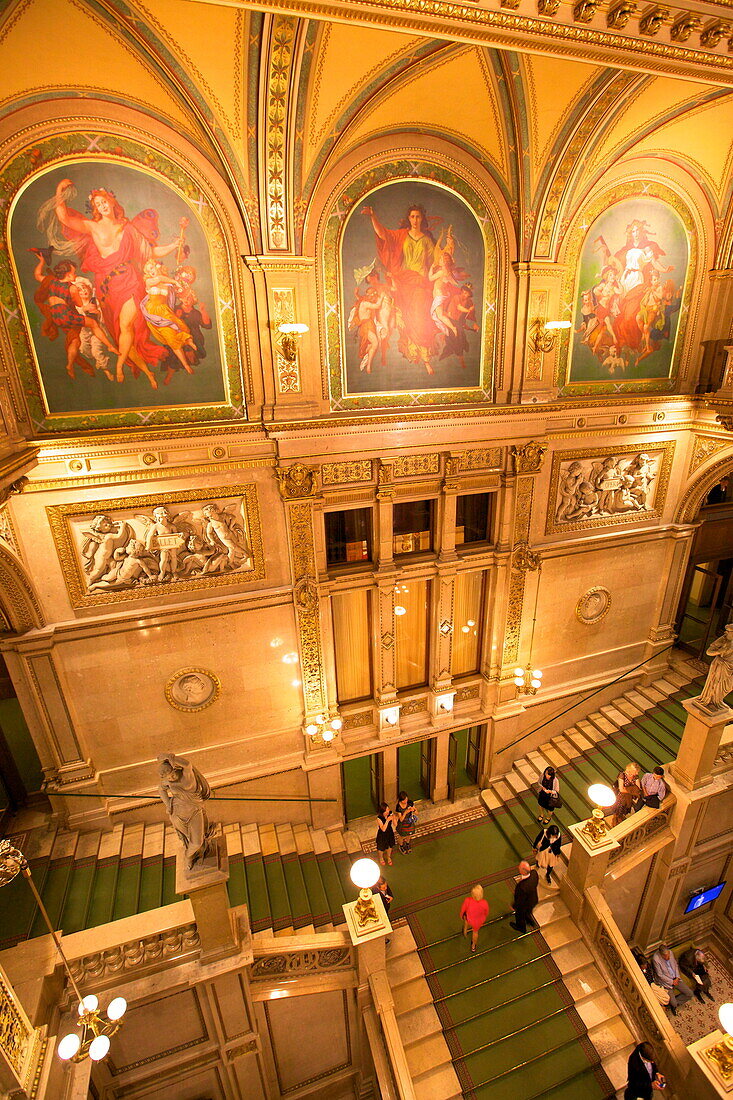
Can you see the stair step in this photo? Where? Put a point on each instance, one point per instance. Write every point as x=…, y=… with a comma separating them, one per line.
x=320, y=841
x=250, y=840
x=527, y=770
x=584, y=983
x=401, y=942
x=424, y=1055
x=639, y=700
x=549, y=910
x=616, y=1067
x=410, y=995
x=598, y=1009
x=297, y=892
x=504, y=791
x=405, y=969
x=613, y=714
x=604, y=724
x=233, y=835
x=439, y=1084
x=419, y=1024
x=590, y=731
x=581, y=742
x=651, y=693
x=111, y=842
x=63, y=846
x=317, y=900
x=352, y=842
x=610, y=1037
x=491, y=799
x=285, y=839
x=303, y=839
x=571, y=957
x=629, y=709
x=268, y=840
x=566, y=747
x=552, y=755
x=336, y=841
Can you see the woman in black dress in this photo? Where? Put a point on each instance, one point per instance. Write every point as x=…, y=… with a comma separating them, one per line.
x=385, y=833
x=546, y=846
x=548, y=795
x=405, y=817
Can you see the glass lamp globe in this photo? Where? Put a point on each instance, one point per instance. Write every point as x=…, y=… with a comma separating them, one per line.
x=99, y=1047
x=117, y=1008
x=725, y=1015
x=89, y=1003
x=364, y=873
x=601, y=795
x=337, y=723
x=68, y=1046
x=328, y=735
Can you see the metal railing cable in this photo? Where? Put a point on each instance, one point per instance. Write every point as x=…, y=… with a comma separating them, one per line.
x=152, y=798
x=585, y=698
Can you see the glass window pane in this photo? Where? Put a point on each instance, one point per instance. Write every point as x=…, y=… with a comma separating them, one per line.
x=467, y=623
x=412, y=527
x=473, y=518
x=411, y=633
x=351, y=613
x=348, y=536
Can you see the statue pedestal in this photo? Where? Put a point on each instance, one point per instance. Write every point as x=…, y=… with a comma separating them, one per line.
x=206, y=887
x=700, y=744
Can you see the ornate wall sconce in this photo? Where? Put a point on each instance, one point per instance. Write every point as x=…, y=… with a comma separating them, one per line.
x=595, y=828
x=444, y=703
x=390, y=715
x=544, y=335
x=527, y=680
x=365, y=874
x=290, y=332
x=322, y=730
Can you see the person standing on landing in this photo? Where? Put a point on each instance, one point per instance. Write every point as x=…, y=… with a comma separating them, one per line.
x=548, y=795
x=385, y=833
x=474, y=913
x=525, y=898
x=406, y=819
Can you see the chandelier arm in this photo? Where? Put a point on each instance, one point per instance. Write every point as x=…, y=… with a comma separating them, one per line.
x=27, y=873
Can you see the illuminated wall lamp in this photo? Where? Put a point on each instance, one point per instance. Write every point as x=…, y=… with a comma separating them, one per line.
x=595, y=828
x=445, y=703
x=324, y=729
x=391, y=716
x=544, y=335
x=527, y=680
x=290, y=333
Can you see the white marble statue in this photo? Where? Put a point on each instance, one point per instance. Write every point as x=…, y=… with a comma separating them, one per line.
x=720, y=676
x=184, y=790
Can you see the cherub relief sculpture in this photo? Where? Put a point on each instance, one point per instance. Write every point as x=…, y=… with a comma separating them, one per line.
x=183, y=791
x=607, y=486
x=162, y=547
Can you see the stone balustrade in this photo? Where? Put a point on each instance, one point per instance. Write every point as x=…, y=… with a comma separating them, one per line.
x=637, y=829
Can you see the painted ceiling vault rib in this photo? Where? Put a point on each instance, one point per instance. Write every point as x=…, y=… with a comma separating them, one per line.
x=144, y=40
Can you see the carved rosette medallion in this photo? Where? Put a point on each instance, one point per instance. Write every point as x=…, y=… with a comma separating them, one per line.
x=593, y=605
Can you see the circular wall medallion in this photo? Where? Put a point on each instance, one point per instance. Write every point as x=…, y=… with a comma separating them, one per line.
x=593, y=605
x=192, y=689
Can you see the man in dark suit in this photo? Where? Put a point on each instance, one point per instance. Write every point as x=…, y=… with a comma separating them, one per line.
x=525, y=898
x=643, y=1076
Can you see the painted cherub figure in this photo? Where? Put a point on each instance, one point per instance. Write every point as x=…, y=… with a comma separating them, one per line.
x=614, y=362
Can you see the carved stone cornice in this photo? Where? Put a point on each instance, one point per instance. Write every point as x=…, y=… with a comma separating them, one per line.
x=591, y=31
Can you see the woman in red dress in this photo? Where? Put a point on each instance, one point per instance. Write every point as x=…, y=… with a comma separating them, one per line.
x=474, y=913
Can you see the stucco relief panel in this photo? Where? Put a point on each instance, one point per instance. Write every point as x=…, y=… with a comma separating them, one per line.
x=604, y=487
x=115, y=550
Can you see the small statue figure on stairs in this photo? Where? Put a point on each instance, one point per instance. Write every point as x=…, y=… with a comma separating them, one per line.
x=183, y=791
x=720, y=676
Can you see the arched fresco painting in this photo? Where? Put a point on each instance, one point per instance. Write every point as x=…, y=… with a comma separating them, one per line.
x=121, y=277
x=630, y=290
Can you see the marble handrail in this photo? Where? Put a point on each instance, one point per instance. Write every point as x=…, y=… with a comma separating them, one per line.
x=636, y=829
x=633, y=991
x=384, y=1005
x=382, y=1065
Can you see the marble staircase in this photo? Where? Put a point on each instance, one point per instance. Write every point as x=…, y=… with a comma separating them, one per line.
x=428, y=1054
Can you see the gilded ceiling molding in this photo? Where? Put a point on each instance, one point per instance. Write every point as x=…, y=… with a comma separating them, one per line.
x=281, y=39
x=128, y=477
x=504, y=30
x=695, y=494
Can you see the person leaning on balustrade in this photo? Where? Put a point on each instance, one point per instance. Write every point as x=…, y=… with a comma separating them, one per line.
x=653, y=788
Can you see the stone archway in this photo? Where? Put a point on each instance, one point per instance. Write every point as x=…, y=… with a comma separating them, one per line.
x=19, y=604
x=695, y=494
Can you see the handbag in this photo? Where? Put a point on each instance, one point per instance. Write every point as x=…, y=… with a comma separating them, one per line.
x=556, y=800
x=411, y=818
